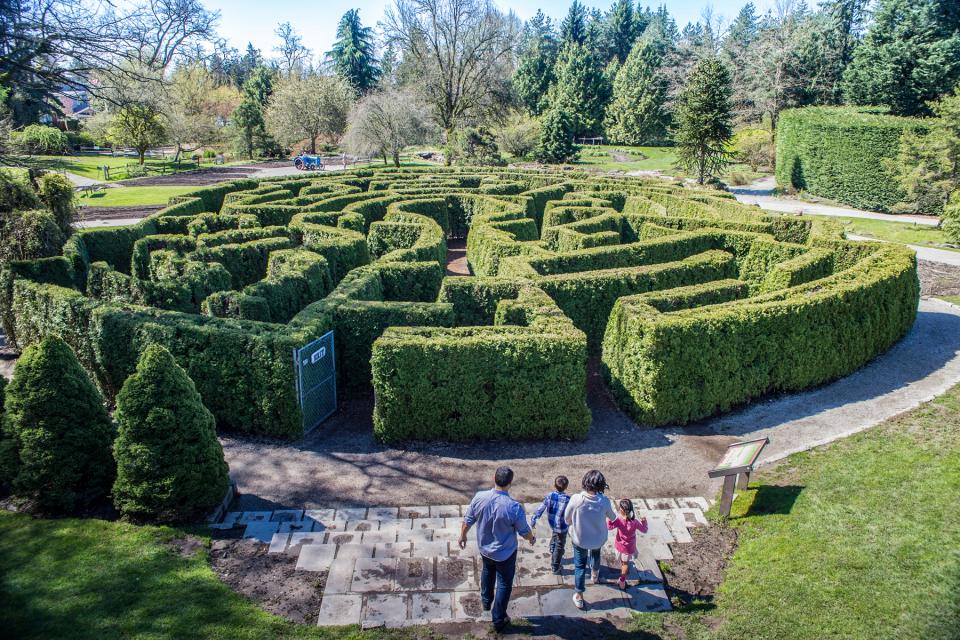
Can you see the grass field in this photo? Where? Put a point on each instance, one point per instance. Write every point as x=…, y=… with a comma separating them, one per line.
x=952, y=299
x=902, y=232
x=131, y=196
x=89, y=166
x=858, y=539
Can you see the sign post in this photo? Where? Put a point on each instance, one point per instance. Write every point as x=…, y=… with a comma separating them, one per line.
x=736, y=464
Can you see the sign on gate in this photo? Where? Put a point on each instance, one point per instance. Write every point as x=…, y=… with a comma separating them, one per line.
x=316, y=376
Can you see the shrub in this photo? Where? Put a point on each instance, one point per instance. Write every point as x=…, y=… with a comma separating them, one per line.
x=61, y=430
x=519, y=136
x=754, y=147
x=556, y=139
x=57, y=195
x=41, y=139
x=474, y=146
x=29, y=234
x=951, y=219
x=16, y=191
x=170, y=465
x=841, y=153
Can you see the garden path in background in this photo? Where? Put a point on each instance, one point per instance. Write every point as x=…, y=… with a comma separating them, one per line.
x=760, y=192
x=340, y=463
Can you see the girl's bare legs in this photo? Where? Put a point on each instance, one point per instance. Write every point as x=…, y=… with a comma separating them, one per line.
x=624, y=570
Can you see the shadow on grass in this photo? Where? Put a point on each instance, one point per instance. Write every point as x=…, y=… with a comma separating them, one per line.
x=573, y=629
x=769, y=499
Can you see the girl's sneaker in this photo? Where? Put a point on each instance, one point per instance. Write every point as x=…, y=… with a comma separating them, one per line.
x=623, y=583
x=578, y=600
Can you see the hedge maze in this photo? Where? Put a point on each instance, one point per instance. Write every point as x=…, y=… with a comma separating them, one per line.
x=693, y=303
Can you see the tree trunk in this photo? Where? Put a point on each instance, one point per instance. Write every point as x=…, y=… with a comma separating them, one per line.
x=448, y=136
x=396, y=159
x=313, y=145
x=142, y=153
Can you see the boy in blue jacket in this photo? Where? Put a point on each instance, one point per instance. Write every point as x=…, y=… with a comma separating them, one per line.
x=554, y=503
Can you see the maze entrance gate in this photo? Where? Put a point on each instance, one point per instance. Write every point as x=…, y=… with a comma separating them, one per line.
x=316, y=377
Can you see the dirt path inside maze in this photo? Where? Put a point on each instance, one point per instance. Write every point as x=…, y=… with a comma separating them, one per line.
x=340, y=464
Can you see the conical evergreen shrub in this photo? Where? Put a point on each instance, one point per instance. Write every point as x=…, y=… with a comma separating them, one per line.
x=170, y=465
x=57, y=434
x=556, y=139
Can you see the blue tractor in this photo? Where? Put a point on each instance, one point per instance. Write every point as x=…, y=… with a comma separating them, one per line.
x=305, y=162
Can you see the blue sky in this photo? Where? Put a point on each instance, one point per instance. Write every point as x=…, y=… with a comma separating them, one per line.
x=254, y=21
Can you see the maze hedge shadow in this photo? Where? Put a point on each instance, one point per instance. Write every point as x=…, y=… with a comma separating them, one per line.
x=695, y=302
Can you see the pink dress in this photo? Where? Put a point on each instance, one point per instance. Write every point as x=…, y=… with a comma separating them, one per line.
x=626, y=539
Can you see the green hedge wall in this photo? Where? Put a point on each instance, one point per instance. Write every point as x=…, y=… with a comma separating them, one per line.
x=503, y=382
x=840, y=153
x=668, y=368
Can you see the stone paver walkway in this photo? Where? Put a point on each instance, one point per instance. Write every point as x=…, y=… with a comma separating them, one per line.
x=394, y=567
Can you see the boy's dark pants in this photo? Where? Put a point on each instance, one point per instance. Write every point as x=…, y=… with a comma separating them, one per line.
x=557, y=543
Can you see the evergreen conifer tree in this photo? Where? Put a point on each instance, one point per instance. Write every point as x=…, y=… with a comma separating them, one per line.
x=57, y=432
x=621, y=28
x=636, y=114
x=352, y=53
x=573, y=29
x=170, y=465
x=703, y=120
x=556, y=138
x=581, y=89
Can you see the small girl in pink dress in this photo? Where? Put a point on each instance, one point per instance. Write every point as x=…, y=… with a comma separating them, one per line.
x=627, y=526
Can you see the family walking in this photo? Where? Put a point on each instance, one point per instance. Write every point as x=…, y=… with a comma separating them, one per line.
x=586, y=517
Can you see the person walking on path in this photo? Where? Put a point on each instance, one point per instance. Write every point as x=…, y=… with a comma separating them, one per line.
x=499, y=520
x=554, y=504
x=627, y=526
x=586, y=516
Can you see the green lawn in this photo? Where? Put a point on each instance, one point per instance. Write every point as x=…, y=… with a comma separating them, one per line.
x=131, y=196
x=952, y=299
x=902, y=232
x=858, y=539
x=604, y=158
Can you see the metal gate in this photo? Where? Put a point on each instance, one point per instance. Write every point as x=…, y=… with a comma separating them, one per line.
x=316, y=375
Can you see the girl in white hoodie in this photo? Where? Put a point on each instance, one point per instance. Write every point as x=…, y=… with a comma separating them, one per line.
x=586, y=515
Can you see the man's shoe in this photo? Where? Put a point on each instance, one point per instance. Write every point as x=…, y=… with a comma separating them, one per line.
x=486, y=605
x=558, y=571
x=502, y=625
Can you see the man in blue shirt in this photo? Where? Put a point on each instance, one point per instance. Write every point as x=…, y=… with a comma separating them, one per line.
x=499, y=520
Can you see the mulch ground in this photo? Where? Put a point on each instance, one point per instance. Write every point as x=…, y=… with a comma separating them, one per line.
x=202, y=177
x=938, y=279
x=698, y=567
x=270, y=580
x=120, y=213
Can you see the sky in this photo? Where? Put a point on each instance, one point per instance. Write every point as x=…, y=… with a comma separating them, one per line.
x=243, y=21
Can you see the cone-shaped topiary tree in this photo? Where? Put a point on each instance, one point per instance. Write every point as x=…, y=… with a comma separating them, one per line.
x=170, y=464
x=556, y=139
x=56, y=431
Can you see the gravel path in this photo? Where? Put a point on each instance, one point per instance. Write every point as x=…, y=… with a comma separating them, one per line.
x=340, y=464
x=760, y=192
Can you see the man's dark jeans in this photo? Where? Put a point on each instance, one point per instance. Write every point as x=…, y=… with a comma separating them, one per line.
x=558, y=543
x=500, y=574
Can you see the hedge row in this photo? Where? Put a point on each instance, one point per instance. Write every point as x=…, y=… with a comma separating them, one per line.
x=511, y=382
x=686, y=364
x=840, y=153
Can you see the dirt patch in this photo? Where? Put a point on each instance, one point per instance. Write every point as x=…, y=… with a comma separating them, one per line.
x=938, y=279
x=698, y=567
x=187, y=546
x=457, y=258
x=199, y=178
x=620, y=156
x=271, y=580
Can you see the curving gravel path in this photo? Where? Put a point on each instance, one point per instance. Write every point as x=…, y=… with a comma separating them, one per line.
x=340, y=464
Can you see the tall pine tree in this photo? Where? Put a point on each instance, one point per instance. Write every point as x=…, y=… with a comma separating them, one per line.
x=247, y=118
x=636, y=114
x=703, y=120
x=352, y=53
x=581, y=89
x=910, y=56
x=621, y=27
x=535, y=67
x=573, y=29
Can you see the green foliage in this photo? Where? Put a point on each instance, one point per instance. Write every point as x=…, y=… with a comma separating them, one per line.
x=519, y=136
x=556, y=139
x=474, y=146
x=16, y=191
x=247, y=118
x=754, y=147
x=951, y=219
x=60, y=429
x=927, y=166
x=637, y=113
x=668, y=363
x=910, y=56
x=842, y=153
x=170, y=465
x=139, y=126
x=703, y=120
x=535, y=66
x=353, y=53
x=581, y=89
x=473, y=383
x=58, y=196
x=41, y=140
x=29, y=234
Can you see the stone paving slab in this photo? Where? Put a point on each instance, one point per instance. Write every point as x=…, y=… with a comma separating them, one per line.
x=390, y=566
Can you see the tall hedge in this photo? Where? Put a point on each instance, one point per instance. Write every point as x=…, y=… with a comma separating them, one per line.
x=840, y=153
x=55, y=421
x=170, y=465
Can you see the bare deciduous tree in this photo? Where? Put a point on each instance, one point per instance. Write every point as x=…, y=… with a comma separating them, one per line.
x=294, y=55
x=385, y=122
x=463, y=52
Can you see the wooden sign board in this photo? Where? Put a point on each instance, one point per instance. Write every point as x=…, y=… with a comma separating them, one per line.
x=740, y=457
